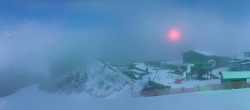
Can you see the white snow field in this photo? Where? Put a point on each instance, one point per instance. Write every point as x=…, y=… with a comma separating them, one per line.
x=31, y=98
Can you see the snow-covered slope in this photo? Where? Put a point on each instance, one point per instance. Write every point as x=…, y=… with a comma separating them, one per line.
x=94, y=78
x=102, y=79
x=32, y=99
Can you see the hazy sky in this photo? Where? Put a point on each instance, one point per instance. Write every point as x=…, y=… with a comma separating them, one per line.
x=123, y=29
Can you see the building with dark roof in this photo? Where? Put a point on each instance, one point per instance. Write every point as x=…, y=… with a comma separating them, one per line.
x=194, y=56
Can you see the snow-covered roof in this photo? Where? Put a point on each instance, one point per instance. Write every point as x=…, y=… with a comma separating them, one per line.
x=141, y=66
x=235, y=74
x=242, y=61
x=207, y=53
x=242, y=58
x=178, y=62
x=245, y=63
x=236, y=61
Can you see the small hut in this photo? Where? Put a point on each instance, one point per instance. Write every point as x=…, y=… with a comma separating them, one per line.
x=235, y=79
x=234, y=76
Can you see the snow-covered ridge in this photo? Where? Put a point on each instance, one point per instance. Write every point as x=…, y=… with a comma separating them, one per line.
x=94, y=78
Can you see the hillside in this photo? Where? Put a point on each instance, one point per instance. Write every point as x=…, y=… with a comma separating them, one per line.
x=94, y=78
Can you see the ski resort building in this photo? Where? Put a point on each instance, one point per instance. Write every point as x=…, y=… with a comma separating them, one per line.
x=241, y=63
x=194, y=56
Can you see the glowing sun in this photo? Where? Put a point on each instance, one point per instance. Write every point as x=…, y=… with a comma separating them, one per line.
x=174, y=35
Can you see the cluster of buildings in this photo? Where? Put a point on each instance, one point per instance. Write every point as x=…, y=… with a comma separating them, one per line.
x=239, y=67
